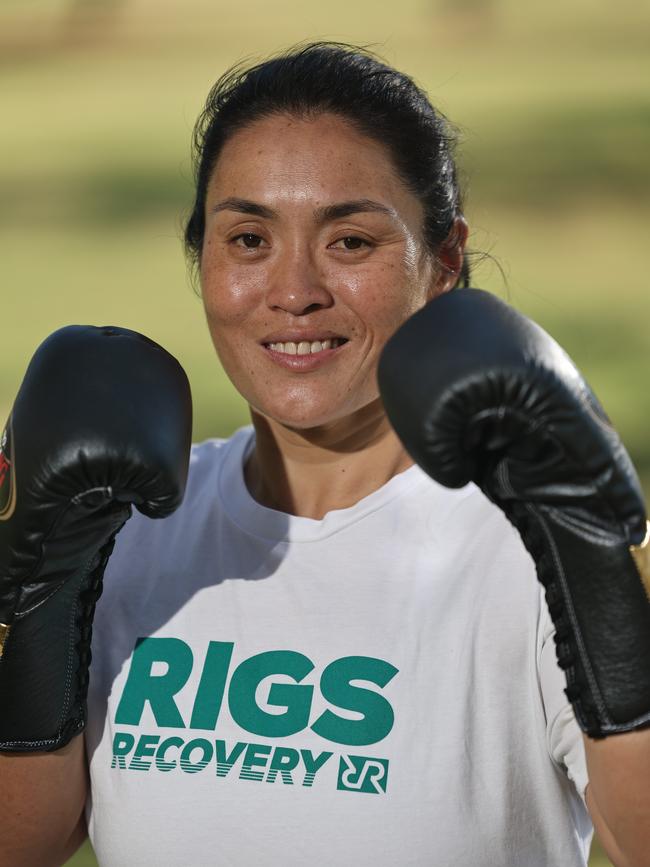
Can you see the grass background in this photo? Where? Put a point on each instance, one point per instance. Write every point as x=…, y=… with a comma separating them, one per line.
x=99, y=98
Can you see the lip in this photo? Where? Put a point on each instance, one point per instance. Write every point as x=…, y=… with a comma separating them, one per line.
x=298, y=336
x=302, y=363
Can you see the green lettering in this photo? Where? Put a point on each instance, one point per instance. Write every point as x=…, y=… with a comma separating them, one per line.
x=256, y=754
x=312, y=765
x=146, y=748
x=193, y=767
x=283, y=761
x=295, y=699
x=122, y=746
x=209, y=695
x=336, y=687
x=142, y=686
x=224, y=761
x=161, y=762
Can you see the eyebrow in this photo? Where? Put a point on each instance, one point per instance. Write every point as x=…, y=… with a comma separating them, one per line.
x=324, y=214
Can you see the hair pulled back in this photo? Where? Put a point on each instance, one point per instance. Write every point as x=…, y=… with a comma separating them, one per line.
x=351, y=82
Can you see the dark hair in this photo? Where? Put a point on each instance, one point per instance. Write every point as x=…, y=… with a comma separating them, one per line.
x=384, y=104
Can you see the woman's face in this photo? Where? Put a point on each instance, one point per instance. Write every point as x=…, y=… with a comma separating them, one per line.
x=312, y=258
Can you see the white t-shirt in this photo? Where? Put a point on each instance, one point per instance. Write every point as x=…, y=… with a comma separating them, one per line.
x=375, y=688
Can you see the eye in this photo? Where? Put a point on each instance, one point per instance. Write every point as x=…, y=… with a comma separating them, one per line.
x=352, y=242
x=250, y=241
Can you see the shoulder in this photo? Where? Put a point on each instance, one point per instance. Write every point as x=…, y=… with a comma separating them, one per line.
x=209, y=461
x=478, y=536
x=461, y=531
x=207, y=458
x=467, y=514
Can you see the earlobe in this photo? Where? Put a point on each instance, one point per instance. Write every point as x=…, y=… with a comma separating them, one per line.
x=451, y=255
x=449, y=259
x=452, y=248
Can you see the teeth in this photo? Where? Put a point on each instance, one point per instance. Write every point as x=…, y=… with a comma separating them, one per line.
x=304, y=347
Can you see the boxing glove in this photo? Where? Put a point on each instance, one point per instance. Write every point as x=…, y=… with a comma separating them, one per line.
x=478, y=392
x=102, y=421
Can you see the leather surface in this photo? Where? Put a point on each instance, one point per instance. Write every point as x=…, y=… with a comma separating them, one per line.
x=476, y=391
x=102, y=421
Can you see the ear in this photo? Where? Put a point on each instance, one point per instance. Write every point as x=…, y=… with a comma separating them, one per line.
x=449, y=258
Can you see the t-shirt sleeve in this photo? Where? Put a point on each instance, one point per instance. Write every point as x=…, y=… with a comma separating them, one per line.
x=563, y=735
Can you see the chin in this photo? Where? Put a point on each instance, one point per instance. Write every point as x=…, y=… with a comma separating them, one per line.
x=303, y=422
x=303, y=416
x=299, y=415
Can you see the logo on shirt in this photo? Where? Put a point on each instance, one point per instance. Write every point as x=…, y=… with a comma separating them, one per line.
x=361, y=774
x=267, y=695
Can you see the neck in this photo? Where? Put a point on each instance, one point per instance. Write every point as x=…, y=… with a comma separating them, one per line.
x=314, y=471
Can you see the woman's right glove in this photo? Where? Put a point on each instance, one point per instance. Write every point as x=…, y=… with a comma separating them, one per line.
x=102, y=421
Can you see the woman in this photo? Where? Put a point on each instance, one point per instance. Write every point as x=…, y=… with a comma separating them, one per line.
x=331, y=686
x=310, y=662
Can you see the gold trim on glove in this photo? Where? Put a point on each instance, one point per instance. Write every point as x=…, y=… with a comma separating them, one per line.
x=641, y=556
x=4, y=634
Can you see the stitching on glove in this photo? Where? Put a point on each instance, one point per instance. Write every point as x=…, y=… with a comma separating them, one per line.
x=576, y=634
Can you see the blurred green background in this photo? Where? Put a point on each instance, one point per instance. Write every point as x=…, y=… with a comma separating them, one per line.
x=98, y=102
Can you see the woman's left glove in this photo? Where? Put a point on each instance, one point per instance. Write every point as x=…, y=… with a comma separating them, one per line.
x=476, y=391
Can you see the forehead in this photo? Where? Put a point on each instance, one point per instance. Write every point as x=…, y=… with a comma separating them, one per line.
x=324, y=157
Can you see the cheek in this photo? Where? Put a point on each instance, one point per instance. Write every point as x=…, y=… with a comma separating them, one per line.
x=229, y=295
x=386, y=294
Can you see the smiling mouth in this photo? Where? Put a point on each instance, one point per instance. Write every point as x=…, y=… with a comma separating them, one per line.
x=306, y=347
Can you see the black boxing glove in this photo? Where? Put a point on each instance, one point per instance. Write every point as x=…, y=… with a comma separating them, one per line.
x=476, y=391
x=102, y=420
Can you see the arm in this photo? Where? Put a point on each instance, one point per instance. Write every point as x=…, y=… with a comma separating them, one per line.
x=42, y=798
x=478, y=392
x=101, y=422
x=618, y=795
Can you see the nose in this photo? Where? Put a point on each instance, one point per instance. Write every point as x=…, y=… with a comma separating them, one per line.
x=296, y=286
